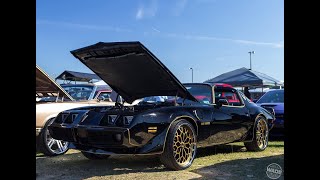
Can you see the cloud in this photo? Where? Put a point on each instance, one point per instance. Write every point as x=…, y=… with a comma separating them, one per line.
x=205, y=1
x=82, y=26
x=139, y=14
x=159, y=33
x=211, y=38
x=147, y=11
x=179, y=7
x=155, y=29
x=276, y=45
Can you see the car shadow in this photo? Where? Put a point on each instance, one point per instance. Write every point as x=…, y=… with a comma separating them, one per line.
x=76, y=166
x=225, y=148
x=252, y=168
x=63, y=166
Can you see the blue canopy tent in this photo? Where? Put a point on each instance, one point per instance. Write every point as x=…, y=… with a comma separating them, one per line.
x=244, y=77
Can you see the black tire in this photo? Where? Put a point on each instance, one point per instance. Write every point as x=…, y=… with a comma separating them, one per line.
x=180, y=146
x=94, y=156
x=260, y=136
x=49, y=146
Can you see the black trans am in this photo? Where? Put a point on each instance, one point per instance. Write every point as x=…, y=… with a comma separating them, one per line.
x=195, y=114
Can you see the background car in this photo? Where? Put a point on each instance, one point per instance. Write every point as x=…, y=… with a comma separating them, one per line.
x=275, y=99
x=104, y=95
x=51, y=99
x=85, y=91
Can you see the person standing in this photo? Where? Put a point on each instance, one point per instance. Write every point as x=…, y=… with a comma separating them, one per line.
x=247, y=93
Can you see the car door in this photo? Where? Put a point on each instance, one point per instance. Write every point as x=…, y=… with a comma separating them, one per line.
x=229, y=121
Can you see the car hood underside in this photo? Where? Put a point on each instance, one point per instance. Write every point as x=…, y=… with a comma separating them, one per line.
x=131, y=70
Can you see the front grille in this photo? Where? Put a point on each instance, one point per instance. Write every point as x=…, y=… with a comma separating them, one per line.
x=89, y=118
x=67, y=118
x=109, y=119
x=70, y=118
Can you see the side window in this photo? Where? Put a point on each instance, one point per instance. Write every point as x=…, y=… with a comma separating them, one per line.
x=233, y=99
x=230, y=95
x=106, y=95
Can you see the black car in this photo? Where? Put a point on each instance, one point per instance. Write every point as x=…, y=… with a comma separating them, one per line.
x=174, y=128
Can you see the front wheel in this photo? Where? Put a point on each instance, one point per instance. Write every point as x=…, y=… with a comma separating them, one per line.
x=50, y=146
x=180, y=146
x=261, y=133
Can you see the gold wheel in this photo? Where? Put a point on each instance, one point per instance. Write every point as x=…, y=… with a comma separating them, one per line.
x=262, y=134
x=184, y=145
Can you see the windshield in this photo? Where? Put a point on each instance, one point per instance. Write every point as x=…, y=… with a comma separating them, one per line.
x=203, y=93
x=275, y=96
x=79, y=92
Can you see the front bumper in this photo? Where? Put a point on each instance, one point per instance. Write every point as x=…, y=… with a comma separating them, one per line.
x=93, y=136
x=108, y=140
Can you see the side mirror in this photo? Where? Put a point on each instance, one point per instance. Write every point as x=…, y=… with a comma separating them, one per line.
x=222, y=102
x=101, y=98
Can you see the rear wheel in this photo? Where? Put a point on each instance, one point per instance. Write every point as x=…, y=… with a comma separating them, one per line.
x=94, y=156
x=261, y=133
x=50, y=146
x=180, y=147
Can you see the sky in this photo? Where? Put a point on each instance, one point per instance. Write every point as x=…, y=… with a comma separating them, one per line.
x=210, y=36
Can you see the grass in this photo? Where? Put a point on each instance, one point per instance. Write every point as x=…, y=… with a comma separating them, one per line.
x=234, y=162
x=219, y=162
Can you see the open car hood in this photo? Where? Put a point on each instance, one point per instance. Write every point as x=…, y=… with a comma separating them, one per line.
x=131, y=70
x=45, y=86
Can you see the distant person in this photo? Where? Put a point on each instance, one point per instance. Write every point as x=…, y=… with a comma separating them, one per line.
x=247, y=93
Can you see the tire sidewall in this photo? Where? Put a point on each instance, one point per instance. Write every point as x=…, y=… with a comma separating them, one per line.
x=171, y=139
x=261, y=118
x=43, y=138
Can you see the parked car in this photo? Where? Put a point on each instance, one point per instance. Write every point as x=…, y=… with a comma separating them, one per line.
x=104, y=95
x=274, y=98
x=87, y=91
x=51, y=99
x=172, y=129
